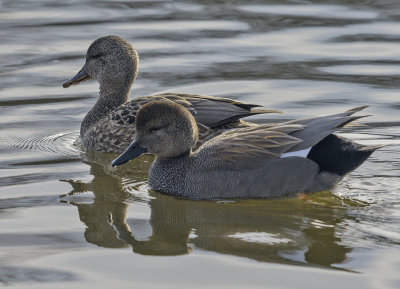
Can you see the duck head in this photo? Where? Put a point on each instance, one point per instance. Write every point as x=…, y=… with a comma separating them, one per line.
x=163, y=128
x=109, y=60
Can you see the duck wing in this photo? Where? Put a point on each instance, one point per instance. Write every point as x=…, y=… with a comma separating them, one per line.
x=252, y=147
x=213, y=115
x=214, y=111
x=125, y=114
x=247, y=148
x=208, y=110
x=319, y=127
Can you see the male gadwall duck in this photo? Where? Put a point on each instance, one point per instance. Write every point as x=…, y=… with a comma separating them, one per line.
x=109, y=125
x=265, y=161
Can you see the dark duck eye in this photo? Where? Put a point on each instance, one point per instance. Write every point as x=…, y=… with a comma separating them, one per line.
x=155, y=128
x=96, y=56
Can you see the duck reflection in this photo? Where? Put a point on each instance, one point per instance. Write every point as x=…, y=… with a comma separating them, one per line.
x=105, y=214
x=304, y=230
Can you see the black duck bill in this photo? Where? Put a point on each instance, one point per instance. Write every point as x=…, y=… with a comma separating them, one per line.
x=133, y=151
x=78, y=78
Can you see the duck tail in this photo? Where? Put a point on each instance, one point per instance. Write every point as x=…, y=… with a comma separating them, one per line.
x=254, y=111
x=339, y=155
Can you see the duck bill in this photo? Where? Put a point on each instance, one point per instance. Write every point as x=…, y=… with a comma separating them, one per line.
x=133, y=151
x=78, y=78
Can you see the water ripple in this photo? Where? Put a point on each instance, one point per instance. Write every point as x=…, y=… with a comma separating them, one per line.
x=317, y=11
x=61, y=143
x=301, y=57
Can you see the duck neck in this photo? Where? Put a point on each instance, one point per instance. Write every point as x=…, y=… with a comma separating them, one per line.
x=111, y=96
x=167, y=175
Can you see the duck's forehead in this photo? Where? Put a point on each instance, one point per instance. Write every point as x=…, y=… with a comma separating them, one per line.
x=105, y=44
x=154, y=112
x=99, y=45
x=151, y=122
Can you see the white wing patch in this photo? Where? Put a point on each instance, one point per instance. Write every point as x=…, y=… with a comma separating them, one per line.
x=302, y=153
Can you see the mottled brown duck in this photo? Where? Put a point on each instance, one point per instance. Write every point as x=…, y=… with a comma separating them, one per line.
x=110, y=125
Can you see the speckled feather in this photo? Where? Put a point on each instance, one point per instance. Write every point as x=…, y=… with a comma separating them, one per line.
x=116, y=131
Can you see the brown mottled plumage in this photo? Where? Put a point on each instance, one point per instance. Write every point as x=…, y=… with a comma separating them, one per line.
x=109, y=125
x=253, y=162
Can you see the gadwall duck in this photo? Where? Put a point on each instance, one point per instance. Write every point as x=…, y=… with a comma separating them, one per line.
x=264, y=161
x=109, y=125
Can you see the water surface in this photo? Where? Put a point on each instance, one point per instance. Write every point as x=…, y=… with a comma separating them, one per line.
x=69, y=220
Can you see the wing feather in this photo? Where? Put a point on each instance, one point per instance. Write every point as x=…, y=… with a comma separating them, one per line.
x=246, y=148
x=214, y=111
x=207, y=110
x=252, y=147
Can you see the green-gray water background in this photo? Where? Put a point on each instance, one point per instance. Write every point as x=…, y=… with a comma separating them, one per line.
x=67, y=220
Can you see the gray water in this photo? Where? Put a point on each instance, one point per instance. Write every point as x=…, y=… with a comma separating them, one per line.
x=67, y=220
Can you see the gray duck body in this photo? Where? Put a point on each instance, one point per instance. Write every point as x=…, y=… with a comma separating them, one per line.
x=194, y=178
x=266, y=161
x=110, y=124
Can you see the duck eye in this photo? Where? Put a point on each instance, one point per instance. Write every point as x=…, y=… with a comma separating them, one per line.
x=96, y=56
x=155, y=128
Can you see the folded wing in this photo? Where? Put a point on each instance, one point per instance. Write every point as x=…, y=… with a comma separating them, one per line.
x=252, y=147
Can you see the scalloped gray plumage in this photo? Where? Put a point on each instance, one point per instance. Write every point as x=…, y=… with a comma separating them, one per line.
x=251, y=162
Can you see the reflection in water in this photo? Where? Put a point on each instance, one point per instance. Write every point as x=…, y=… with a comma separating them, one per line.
x=295, y=231
x=105, y=216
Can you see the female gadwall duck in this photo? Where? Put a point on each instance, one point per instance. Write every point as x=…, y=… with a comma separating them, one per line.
x=109, y=125
x=255, y=162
